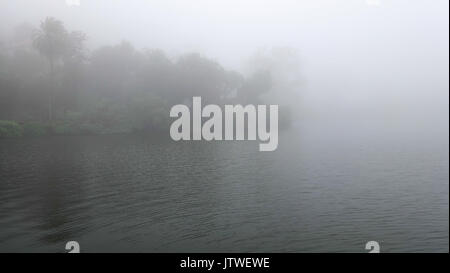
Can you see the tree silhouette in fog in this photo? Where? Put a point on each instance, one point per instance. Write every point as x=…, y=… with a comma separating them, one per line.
x=54, y=42
x=49, y=83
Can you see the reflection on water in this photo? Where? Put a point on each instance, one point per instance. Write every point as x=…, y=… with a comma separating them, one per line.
x=315, y=193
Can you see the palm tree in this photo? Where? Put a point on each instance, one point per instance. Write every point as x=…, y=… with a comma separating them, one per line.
x=53, y=42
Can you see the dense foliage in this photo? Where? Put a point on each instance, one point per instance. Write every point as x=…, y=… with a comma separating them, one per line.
x=50, y=84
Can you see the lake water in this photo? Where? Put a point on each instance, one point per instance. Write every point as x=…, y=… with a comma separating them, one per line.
x=322, y=190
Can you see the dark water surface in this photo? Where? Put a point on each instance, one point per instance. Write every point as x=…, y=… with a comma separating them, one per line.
x=319, y=191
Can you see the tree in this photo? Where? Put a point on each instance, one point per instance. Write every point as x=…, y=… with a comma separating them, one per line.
x=199, y=76
x=54, y=42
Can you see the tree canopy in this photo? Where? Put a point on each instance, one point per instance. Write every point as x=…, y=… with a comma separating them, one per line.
x=52, y=79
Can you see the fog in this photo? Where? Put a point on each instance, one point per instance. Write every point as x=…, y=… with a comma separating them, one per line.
x=360, y=146
x=369, y=60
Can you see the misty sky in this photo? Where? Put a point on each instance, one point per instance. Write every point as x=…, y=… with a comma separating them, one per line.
x=387, y=58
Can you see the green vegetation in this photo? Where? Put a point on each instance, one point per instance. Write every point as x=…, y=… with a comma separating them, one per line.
x=10, y=129
x=50, y=84
x=34, y=129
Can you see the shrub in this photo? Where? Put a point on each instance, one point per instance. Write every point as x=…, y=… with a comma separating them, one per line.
x=34, y=129
x=10, y=129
